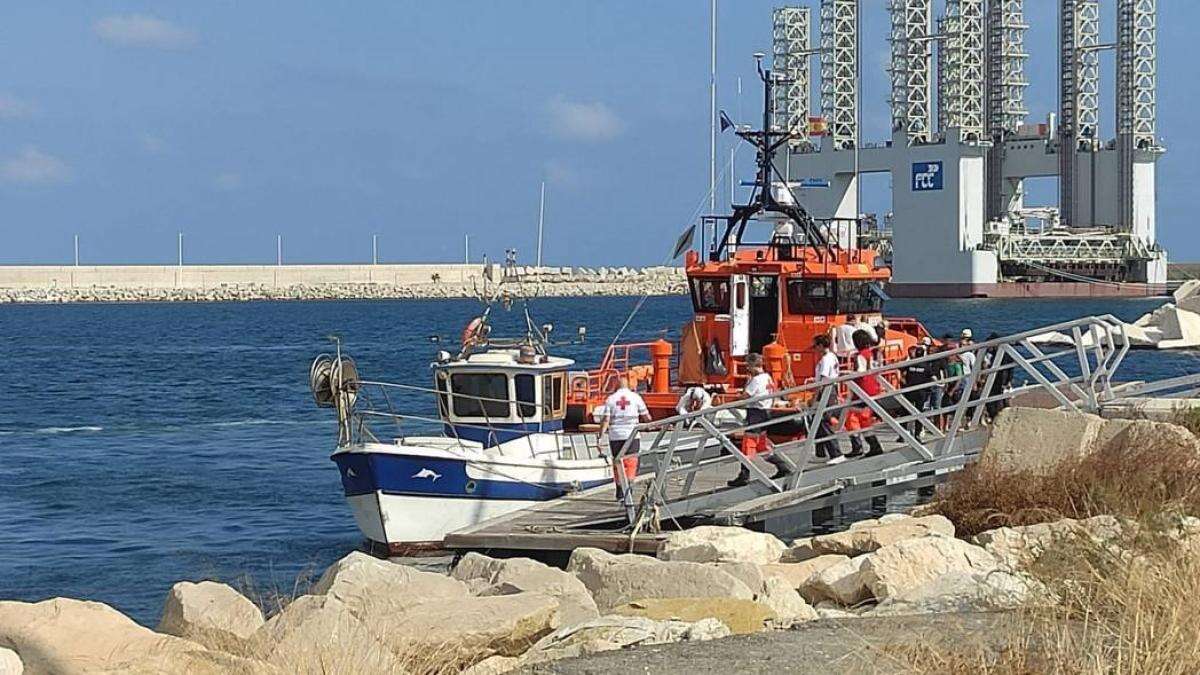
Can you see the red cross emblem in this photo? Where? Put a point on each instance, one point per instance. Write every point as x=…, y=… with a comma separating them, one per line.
x=622, y=403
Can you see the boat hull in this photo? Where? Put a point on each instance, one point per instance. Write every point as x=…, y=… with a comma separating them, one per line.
x=408, y=498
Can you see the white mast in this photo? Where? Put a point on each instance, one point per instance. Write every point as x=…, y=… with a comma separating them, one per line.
x=541, y=220
x=712, y=114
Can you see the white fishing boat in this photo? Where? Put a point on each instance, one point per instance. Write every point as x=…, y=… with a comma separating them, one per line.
x=487, y=440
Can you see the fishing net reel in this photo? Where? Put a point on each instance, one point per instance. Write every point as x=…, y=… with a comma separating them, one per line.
x=334, y=381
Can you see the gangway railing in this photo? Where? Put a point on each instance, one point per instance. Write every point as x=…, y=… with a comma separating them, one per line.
x=929, y=419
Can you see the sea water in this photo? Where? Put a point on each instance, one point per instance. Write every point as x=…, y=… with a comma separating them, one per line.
x=143, y=444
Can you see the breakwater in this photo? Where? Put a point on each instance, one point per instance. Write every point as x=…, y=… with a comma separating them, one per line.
x=233, y=283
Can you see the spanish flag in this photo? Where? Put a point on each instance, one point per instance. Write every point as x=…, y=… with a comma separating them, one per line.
x=817, y=126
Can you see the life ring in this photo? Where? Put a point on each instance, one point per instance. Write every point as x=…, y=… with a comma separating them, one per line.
x=472, y=332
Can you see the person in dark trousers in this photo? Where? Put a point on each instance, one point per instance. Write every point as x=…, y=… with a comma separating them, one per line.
x=1001, y=383
x=755, y=441
x=918, y=374
x=827, y=369
x=864, y=361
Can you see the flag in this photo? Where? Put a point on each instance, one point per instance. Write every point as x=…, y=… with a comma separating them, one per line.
x=817, y=126
x=726, y=122
x=684, y=242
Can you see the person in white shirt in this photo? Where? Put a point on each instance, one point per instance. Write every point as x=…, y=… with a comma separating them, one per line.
x=619, y=418
x=827, y=370
x=695, y=399
x=967, y=358
x=844, y=337
x=758, y=412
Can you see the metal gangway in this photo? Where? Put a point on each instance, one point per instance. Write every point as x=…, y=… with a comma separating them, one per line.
x=694, y=455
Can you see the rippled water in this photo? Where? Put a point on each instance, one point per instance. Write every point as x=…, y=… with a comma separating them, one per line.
x=144, y=444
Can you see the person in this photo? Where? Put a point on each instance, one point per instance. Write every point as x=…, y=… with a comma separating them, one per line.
x=845, y=337
x=619, y=417
x=967, y=358
x=695, y=399
x=956, y=379
x=937, y=372
x=758, y=412
x=918, y=375
x=862, y=417
x=1001, y=381
x=827, y=369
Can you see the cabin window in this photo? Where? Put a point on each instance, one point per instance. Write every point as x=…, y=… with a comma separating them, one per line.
x=554, y=403
x=480, y=394
x=526, y=395
x=811, y=296
x=857, y=296
x=710, y=295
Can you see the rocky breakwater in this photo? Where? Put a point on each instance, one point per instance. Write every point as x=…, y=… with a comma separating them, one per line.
x=516, y=282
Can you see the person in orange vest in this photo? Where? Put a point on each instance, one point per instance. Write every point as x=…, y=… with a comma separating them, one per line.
x=619, y=417
x=862, y=417
x=755, y=441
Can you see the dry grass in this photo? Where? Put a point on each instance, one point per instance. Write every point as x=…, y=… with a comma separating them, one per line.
x=1137, y=483
x=1187, y=417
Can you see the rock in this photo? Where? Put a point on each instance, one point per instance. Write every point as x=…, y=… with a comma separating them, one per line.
x=741, y=616
x=1035, y=439
x=210, y=613
x=711, y=543
x=1121, y=435
x=320, y=629
x=518, y=575
x=869, y=536
x=495, y=665
x=841, y=582
x=501, y=624
x=965, y=592
x=616, y=632
x=10, y=663
x=1018, y=547
x=369, y=585
x=827, y=609
x=617, y=579
x=799, y=551
x=797, y=575
x=911, y=563
x=789, y=608
x=74, y=636
x=747, y=573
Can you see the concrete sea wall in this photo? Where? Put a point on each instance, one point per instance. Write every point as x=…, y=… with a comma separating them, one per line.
x=222, y=283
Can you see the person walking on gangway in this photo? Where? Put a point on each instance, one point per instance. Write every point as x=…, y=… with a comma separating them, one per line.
x=826, y=370
x=755, y=441
x=619, y=417
x=695, y=399
x=862, y=417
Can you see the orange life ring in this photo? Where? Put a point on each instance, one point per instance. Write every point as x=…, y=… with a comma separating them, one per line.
x=471, y=332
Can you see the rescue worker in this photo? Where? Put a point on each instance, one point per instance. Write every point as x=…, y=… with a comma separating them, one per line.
x=619, y=417
x=826, y=370
x=918, y=374
x=755, y=440
x=863, y=418
x=695, y=399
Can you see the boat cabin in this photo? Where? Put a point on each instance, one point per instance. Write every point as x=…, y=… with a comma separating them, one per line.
x=497, y=395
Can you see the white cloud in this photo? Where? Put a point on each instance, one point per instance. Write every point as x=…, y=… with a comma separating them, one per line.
x=12, y=107
x=140, y=30
x=228, y=181
x=591, y=122
x=34, y=167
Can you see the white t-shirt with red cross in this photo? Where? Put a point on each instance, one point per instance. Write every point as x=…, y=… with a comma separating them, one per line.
x=623, y=408
x=757, y=386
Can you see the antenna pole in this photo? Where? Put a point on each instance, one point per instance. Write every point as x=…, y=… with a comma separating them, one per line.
x=712, y=112
x=541, y=220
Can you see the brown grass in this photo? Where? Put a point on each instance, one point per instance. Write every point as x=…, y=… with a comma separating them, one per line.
x=1136, y=483
x=1187, y=417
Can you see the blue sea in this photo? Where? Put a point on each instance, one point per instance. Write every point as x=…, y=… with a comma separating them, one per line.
x=143, y=444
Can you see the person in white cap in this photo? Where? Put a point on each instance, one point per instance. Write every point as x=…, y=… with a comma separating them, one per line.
x=968, y=358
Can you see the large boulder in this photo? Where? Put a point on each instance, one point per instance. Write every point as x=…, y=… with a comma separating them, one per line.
x=789, y=608
x=872, y=535
x=210, y=613
x=614, y=580
x=747, y=573
x=841, y=582
x=965, y=592
x=368, y=585
x=741, y=616
x=617, y=632
x=315, y=631
x=711, y=543
x=1019, y=547
x=798, y=575
x=75, y=636
x=911, y=563
x=522, y=575
x=1036, y=439
x=500, y=624
x=1123, y=435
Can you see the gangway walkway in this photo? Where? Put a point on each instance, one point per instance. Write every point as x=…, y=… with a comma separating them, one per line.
x=921, y=445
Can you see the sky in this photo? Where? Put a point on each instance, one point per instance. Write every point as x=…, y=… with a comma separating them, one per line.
x=127, y=123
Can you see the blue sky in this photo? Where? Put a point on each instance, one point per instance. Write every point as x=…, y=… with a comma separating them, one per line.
x=127, y=122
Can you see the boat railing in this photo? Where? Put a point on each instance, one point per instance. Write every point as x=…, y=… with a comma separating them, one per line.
x=1078, y=377
x=619, y=359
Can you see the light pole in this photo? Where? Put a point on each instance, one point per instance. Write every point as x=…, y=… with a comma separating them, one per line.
x=541, y=219
x=180, y=249
x=466, y=249
x=374, y=249
x=279, y=250
x=77, y=250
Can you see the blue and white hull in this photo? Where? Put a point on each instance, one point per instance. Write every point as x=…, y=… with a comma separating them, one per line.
x=409, y=495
